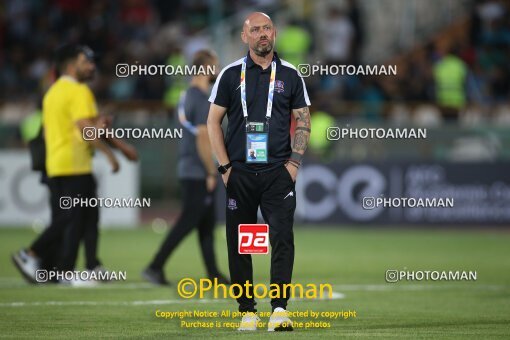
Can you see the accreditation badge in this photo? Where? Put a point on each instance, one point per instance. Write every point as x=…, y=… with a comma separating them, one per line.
x=257, y=137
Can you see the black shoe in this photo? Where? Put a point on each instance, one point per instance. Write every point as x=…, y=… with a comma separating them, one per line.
x=154, y=276
x=221, y=278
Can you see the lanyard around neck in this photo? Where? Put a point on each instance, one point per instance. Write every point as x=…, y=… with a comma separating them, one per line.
x=269, y=94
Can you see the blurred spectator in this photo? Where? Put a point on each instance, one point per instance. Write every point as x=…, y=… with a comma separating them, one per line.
x=372, y=97
x=419, y=68
x=478, y=87
x=163, y=32
x=294, y=43
x=485, y=16
x=359, y=36
x=136, y=18
x=337, y=34
x=319, y=144
x=176, y=84
x=450, y=74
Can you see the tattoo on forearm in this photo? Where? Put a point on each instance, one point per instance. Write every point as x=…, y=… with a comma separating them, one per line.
x=302, y=132
x=300, y=141
x=303, y=117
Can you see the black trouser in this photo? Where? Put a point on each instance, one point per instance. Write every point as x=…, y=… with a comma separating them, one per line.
x=274, y=192
x=197, y=212
x=47, y=245
x=58, y=244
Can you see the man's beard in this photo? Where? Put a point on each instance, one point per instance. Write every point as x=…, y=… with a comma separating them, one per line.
x=263, y=51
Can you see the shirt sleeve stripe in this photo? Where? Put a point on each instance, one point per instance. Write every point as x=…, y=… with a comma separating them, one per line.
x=214, y=90
x=305, y=92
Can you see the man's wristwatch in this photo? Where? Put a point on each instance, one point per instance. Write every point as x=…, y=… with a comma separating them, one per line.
x=222, y=169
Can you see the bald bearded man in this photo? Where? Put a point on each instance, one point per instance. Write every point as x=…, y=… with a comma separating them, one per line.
x=260, y=93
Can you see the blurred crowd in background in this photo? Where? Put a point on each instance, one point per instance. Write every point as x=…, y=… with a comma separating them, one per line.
x=452, y=57
x=470, y=70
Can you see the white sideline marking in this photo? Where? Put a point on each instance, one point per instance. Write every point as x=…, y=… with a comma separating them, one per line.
x=17, y=283
x=95, y=303
x=335, y=296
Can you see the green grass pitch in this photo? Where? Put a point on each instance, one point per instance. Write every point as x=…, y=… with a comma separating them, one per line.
x=354, y=261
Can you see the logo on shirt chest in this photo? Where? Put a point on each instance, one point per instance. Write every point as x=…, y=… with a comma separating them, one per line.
x=232, y=204
x=279, y=86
